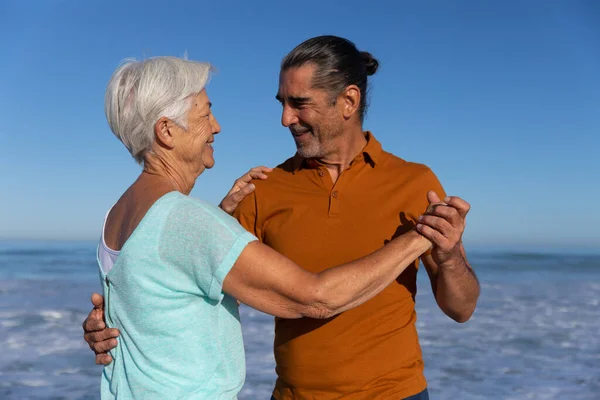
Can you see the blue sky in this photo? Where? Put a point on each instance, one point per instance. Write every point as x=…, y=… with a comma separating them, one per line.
x=500, y=99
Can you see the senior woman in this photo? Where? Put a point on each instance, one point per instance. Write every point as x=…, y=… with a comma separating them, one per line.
x=172, y=267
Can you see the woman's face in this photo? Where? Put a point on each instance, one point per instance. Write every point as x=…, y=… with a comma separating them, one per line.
x=197, y=141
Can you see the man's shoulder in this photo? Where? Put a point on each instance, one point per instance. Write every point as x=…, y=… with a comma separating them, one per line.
x=268, y=192
x=397, y=165
x=280, y=175
x=417, y=174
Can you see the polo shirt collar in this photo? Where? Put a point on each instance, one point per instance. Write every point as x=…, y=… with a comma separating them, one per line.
x=371, y=154
x=373, y=149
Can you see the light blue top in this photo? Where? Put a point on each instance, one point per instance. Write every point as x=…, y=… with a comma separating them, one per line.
x=180, y=334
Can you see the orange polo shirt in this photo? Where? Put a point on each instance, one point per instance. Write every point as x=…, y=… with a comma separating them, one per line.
x=372, y=351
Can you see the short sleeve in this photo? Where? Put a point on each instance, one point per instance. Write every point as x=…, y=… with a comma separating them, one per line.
x=431, y=182
x=203, y=242
x=247, y=214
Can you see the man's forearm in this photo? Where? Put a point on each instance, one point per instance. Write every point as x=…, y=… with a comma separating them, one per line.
x=457, y=288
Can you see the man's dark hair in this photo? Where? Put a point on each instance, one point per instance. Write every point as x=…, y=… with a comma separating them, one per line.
x=338, y=65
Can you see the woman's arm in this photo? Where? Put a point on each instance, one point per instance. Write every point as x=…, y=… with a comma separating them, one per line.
x=270, y=282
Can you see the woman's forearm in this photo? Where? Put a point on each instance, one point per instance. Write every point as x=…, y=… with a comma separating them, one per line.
x=348, y=285
x=270, y=282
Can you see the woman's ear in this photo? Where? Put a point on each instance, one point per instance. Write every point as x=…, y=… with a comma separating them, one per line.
x=164, y=131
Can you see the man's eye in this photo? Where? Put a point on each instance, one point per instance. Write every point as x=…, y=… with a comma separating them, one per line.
x=298, y=104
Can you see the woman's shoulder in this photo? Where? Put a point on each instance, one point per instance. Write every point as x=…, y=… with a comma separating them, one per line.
x=195, y=212
x=189, y=204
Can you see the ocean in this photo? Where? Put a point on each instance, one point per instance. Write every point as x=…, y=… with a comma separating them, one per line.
x=534, y=335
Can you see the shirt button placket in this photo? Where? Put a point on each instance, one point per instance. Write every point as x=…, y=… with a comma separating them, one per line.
x=334, y=203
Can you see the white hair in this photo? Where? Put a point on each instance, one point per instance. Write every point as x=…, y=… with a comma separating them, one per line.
x=139, y=93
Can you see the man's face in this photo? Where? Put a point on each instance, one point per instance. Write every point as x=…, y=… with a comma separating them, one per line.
x=310, y=114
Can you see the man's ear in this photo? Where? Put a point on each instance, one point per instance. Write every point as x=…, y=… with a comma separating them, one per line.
x=350, y=100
